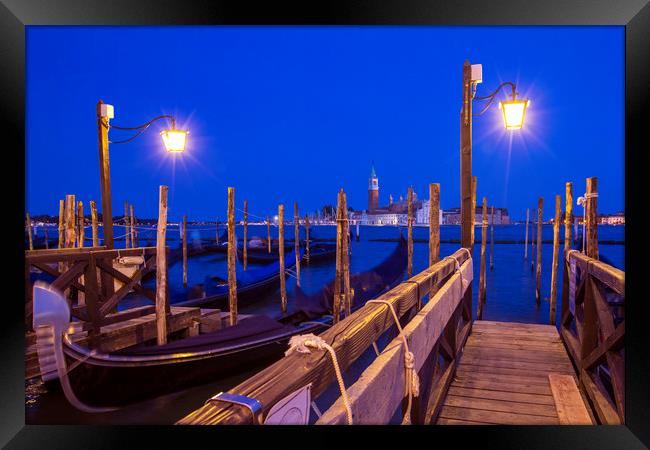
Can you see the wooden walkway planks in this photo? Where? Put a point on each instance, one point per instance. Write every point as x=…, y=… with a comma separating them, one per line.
x=503, y=378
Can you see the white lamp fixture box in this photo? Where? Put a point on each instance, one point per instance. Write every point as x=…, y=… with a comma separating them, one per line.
x=477, y=73
x=108, y=111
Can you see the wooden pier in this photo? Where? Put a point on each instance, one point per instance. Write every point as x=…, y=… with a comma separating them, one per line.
x=514, y=374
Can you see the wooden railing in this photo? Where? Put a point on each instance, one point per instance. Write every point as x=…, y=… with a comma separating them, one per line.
x=89, y=271
x=593, y=330
x=352, y=336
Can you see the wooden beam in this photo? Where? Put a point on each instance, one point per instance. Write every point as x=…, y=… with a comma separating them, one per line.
x=162, y=290
x=384, y=377
x=571, y=410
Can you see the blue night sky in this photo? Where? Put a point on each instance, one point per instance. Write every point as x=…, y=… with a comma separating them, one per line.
x=288, y=114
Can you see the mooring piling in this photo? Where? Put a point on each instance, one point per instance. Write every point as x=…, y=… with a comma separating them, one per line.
x=134, y=243
x=345, y=255
x=526, y=238
x=482, y=283
x=409, y=225
x=70, y=222
x=533, y=230
x=81, y=235
x=184, y=243
x=61, y=228
x=473, y=213
x=162, y=297
x=306, y=237
x=556, y=251
x=268, y=233
x=93, y=221
x=338, y=273
x=434, y=223
x=283, y=282
x=245, y=234
x=28, y=226
x=296, y=240
x=232, y=259
x=127, y=233
x=538, y=272
x=492, y=239
x=591, y=216
x=568, y=215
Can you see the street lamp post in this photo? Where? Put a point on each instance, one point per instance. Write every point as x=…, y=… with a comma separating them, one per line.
x=513, y=116
x=173, y=139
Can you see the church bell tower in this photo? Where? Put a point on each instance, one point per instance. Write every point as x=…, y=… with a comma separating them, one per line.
x=373, y=190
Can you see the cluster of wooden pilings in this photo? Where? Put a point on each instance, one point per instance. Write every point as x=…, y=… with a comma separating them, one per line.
x=590, y=242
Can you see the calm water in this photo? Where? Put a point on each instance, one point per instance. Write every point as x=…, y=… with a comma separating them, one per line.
x=510, y=297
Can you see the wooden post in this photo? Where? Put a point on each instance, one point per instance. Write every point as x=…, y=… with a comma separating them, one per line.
x=28, y=225
x=556, y=251
x=93, y=219
x=283, y=282
x=538, y=272
x=434, y=223
x=526, y=241
x=61, y=228
x=80, y=220
x=409, y=224
x=306, y=237
x=132, y=225
x=474, y=182
x=217, y=231
x=591, y=216
x=245, y=234
x=105, y=176
x=127, y=232
x=268, y=233
x=47, y=239
x=296, y=240
x=232, y=258
x=162, y=299
x=336, y=304
x=568, y=216
x=345, y=255
x=482, y=282
x=70, y=222
x=466, y=202
x=184, y=250
x=492, y=239
x=533, y=230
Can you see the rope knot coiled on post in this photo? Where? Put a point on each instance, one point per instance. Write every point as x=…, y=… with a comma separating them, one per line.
x=303, y=343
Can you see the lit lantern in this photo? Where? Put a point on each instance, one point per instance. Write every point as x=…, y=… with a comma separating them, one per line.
x=174, y=140
x=513, y=113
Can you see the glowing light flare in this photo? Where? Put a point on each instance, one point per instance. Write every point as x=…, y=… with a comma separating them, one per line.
x=514, y=112
x=174, y=140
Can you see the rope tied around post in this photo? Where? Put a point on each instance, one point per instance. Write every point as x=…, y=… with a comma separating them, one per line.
x=412, y=381
x=303, y=343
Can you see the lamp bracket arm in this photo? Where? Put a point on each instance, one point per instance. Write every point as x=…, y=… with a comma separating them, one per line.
x=491, y=96
x=145, y=125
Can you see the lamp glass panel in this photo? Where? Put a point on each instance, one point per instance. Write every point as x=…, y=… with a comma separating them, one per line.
x=513, y=113
x=174, y=140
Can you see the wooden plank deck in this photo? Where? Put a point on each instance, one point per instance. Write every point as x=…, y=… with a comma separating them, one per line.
x=503, y=378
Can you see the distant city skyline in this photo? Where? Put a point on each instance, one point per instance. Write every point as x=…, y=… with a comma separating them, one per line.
x=288, y=114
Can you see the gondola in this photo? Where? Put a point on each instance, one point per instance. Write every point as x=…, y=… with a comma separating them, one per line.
x=251, y=285
x=318, y=252
x=96, y=382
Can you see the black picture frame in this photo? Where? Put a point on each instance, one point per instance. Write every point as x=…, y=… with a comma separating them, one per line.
x=15, y=15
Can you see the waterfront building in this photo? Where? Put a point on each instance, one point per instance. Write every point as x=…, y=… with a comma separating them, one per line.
x=422, y=214
x=452, y=216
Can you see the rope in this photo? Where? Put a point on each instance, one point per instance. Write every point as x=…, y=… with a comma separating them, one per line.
x=302, y=343
x=412, y=381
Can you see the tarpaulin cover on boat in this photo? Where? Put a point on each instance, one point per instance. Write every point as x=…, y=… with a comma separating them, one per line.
x=246, y=330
